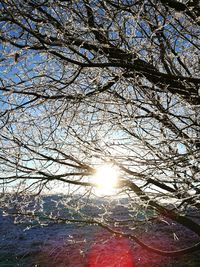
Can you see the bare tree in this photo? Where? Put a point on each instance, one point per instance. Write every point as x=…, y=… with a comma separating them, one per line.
x=84, y=83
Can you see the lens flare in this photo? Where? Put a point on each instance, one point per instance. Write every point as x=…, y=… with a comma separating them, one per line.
x=115, y=252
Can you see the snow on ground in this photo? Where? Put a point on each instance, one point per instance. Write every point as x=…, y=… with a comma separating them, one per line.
x=65, y=245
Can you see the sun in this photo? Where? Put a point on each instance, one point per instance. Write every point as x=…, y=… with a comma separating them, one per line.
x=106, y=179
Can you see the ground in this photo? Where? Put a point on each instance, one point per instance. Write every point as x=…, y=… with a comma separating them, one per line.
x=68, y=245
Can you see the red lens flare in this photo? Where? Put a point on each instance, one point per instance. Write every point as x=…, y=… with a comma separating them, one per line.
x=115, y=252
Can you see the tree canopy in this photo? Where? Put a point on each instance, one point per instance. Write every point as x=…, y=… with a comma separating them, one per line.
x=87, y=83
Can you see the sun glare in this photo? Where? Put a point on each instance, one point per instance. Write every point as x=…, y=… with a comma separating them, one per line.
x=106, y=179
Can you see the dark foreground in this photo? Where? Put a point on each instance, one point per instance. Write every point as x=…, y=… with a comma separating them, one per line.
x=78, y=246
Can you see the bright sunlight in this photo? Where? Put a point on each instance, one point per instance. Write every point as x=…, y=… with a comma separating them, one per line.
x=106, y=179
